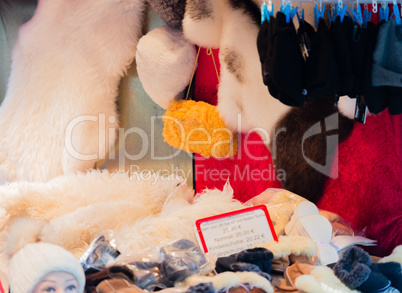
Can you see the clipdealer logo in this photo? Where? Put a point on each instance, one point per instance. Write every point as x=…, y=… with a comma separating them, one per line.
x=107, y=131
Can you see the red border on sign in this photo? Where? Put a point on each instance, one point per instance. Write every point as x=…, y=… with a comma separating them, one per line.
x=216, y=217
x=1, y=288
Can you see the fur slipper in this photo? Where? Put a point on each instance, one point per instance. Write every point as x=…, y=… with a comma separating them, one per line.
x=321, y=280
x=354, y=270
x=391, y=270
x=353, y=267
x=228, y=280
x=287, y=245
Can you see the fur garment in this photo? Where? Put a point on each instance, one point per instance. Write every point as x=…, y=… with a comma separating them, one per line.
x=59, y=113
x=293, y=146
x=252, y=152
x=291, y=245
x=228, y=280
x=66, y=194
x=353, y=267
x=321, y=280
x=232, y=26
x=165, y=62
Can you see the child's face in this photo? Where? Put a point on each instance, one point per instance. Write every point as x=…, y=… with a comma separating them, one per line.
x=57, y=282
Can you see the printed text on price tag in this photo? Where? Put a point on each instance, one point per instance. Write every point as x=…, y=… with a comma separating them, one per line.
x=235, y=231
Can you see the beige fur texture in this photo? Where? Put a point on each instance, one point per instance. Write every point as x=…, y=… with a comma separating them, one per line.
x=321, y=280
x=59, y=113
x=227, y=280
x=244, y=102
x=65, y=194
x=291, y=245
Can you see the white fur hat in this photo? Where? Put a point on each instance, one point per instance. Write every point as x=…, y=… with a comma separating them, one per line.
x=35, y=260
x=165, y=62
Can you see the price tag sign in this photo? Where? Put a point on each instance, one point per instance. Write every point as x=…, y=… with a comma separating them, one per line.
x=235, y=231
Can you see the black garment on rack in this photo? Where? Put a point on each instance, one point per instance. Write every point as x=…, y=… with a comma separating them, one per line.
x=361, y=53
x=341, y=33
x=321, y=74
x=375, y=97
x=387, y=65
x=305, y=34
x=282, y=60
x=264, y=40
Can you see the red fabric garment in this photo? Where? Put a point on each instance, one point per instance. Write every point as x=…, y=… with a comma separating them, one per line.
x=251, y=171
x=367, y=192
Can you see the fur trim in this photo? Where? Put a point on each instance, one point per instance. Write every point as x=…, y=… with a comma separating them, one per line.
x=395, y=256
x=244, y=102
x=23, y=231
x=353, y=267
x=67, y=193
x=287, y=245
x=321, y=280
x=346, y=107
x=227, y=280
x=160, y=53
x=89, y=45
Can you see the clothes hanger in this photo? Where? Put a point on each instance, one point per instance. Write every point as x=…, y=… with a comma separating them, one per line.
x=384, y=12
x=300, y=17
x=357, y=13
x=332, y=13
x=366, y=15
x=267, y=10
x=288, y=10
x=375, y=6
x=318, y=12
x=395, y=12
x=264, y=12
x=292, y=12
x=341, y=9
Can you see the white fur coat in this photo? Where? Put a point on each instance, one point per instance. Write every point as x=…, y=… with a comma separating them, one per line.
x=243, y=99
x=59, y=113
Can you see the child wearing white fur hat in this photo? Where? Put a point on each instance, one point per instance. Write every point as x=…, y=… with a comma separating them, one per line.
x=45, y=268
